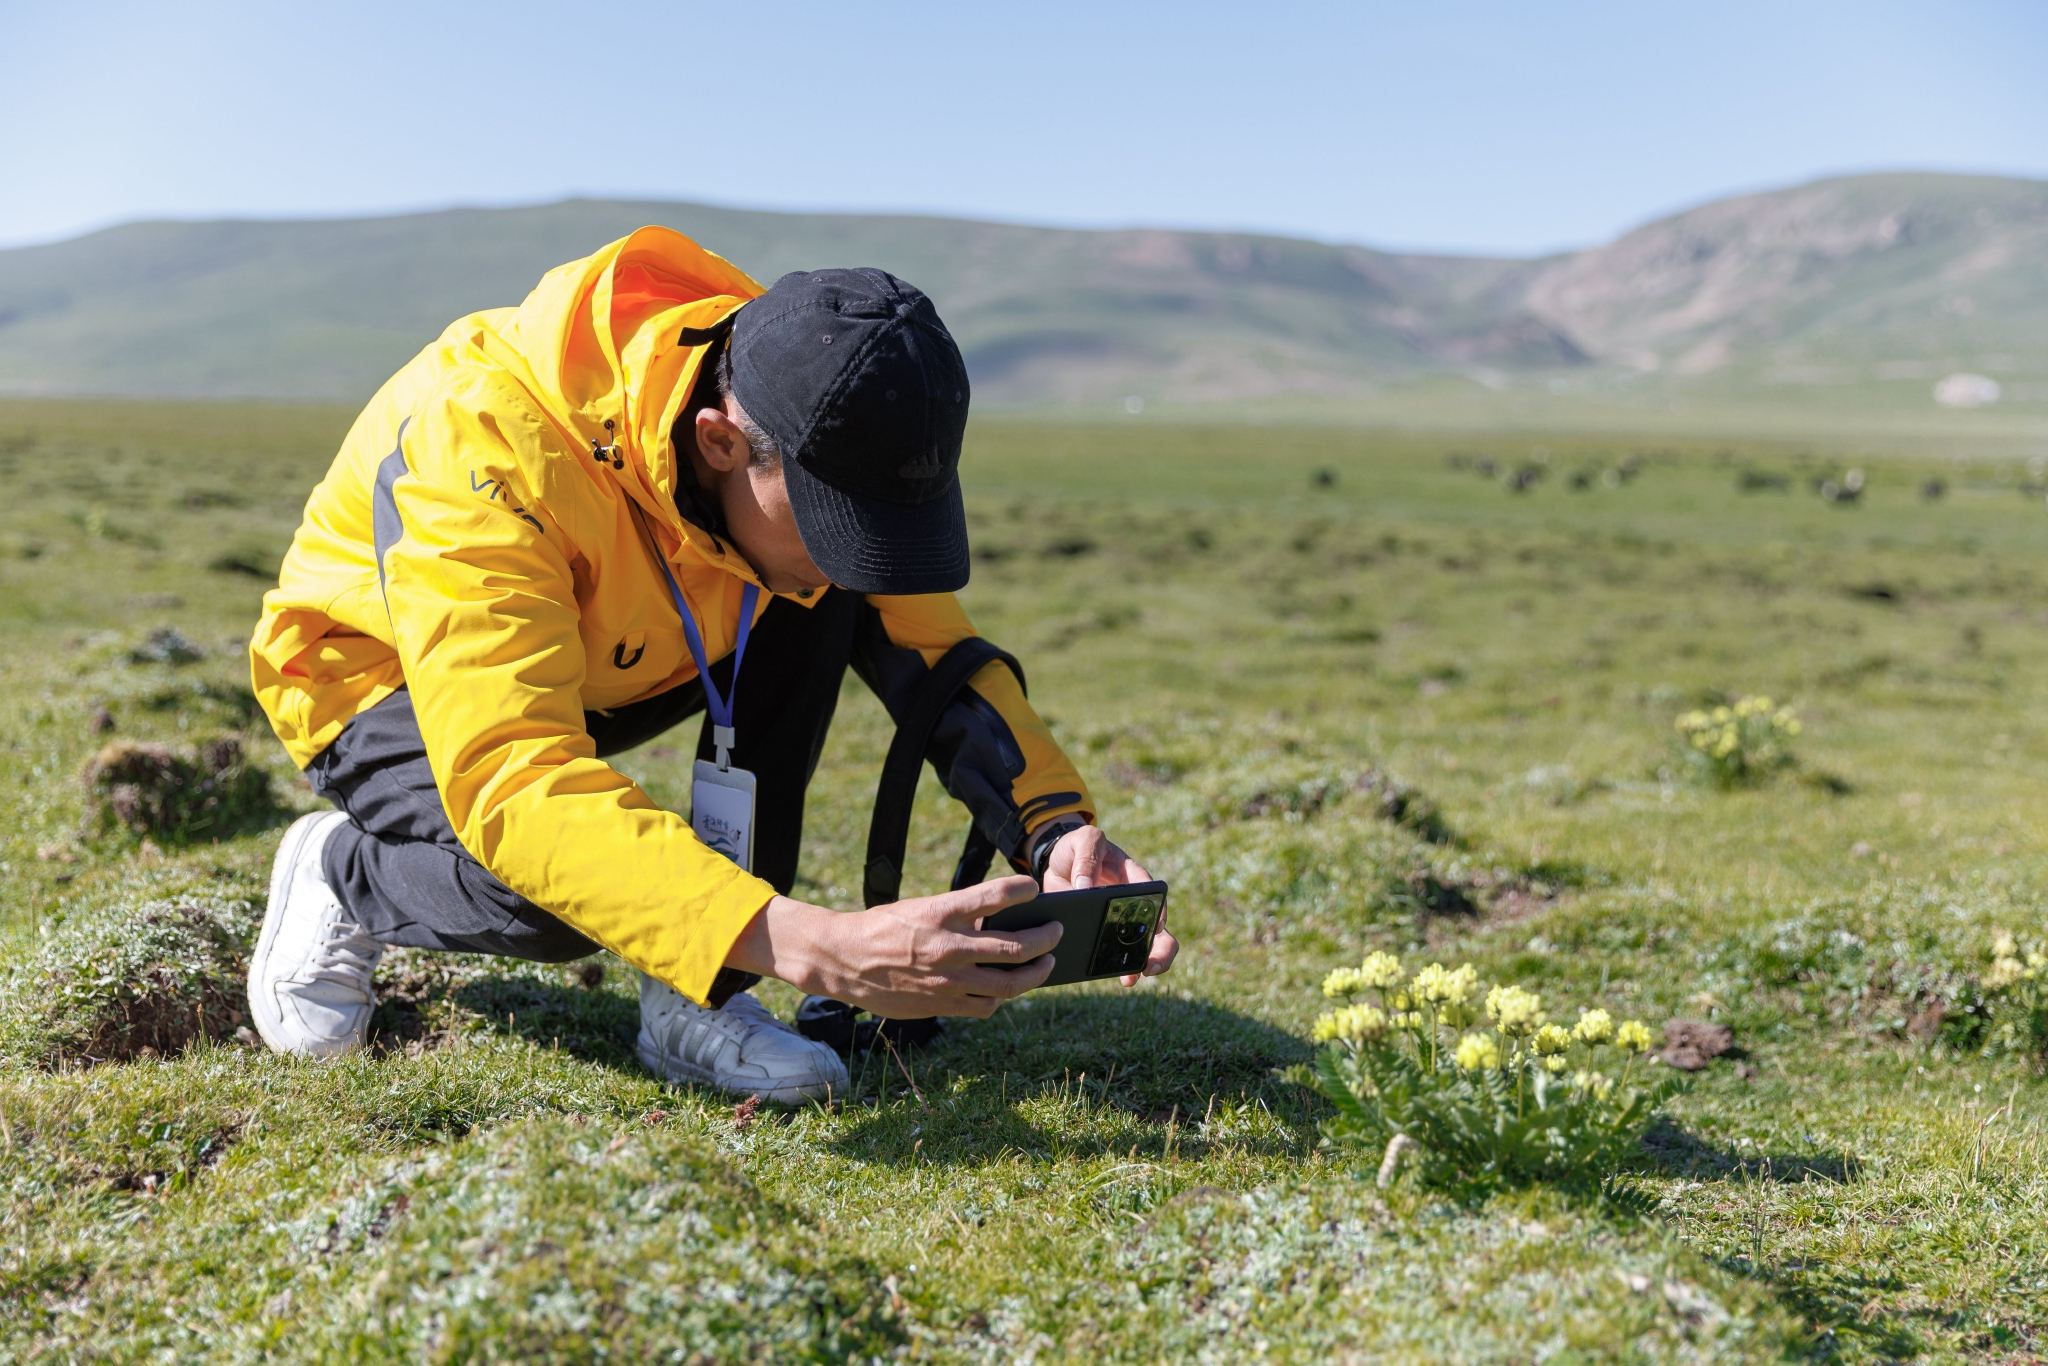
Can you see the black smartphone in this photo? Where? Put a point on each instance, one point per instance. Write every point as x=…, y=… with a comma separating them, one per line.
x=1108, y=929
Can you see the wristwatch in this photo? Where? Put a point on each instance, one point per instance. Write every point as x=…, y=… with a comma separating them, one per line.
x=1041, y=852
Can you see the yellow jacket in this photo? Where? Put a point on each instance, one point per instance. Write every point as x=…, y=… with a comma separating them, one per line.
x=515, y=577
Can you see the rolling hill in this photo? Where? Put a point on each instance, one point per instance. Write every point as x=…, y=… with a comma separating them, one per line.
x=1890, y=277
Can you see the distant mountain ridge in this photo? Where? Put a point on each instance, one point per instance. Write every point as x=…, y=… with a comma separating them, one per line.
x=1905, y=270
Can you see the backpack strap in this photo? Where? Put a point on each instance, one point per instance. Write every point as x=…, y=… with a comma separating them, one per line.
x=889, y=830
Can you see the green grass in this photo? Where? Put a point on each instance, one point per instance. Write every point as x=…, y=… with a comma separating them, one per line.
x=1237, y=655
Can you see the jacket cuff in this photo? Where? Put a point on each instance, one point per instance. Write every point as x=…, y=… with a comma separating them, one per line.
x=697, y=968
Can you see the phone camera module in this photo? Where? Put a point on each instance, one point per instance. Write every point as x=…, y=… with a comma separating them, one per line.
x=1126, y=938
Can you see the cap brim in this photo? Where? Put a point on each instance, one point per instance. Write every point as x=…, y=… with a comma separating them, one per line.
x=872, y=546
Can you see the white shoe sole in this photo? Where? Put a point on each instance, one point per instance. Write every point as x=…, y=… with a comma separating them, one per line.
x=263, y=1004
x=680, y=1073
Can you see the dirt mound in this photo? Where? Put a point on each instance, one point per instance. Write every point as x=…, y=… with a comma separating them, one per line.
x=178, y=795
x=152, y=977
x=1690, y=1045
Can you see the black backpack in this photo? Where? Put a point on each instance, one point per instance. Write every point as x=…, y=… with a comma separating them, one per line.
x=836, y=1023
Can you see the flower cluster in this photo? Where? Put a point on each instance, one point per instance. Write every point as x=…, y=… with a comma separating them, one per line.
x=1481, y=1078
x=1634, y=1036
x=1514, y=1010
x=1358, y=1024
x=2015, y=990
x=2007, y=968
x=1738, y=745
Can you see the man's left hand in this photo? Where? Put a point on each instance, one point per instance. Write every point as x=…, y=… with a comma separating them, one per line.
x=1086, y=858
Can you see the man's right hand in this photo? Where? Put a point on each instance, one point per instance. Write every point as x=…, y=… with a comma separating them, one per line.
x=904, y=961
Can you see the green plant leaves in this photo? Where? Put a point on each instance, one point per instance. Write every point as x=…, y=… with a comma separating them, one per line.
x=1507, y=1126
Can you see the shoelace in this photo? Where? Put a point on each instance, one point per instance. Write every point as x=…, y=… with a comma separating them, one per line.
x=349, y=957
x=736, y=1021
x=752, y=1017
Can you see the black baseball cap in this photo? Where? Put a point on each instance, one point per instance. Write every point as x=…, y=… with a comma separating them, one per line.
x=865, y=393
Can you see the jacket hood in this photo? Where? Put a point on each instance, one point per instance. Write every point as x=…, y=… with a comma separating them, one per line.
x=599, y=340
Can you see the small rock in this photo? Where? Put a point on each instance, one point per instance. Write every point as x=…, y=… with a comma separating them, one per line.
x=1689, y=1045
x=102, y=721
x=57, y=852
x=744, y=1112
x=246, y=1037
x=591, y=975
x=1746, y=1071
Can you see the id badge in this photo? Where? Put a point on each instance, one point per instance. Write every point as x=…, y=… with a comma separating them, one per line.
x=722, y=811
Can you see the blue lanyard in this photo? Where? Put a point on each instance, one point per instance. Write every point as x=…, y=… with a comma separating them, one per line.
x=719, y=707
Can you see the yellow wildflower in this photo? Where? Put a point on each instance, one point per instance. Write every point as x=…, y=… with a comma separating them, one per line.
x=2003, y=973
x=1359, y=1024
x=1457, y=1014
x=1478, y=1052
x=1341, y=982
x=1633, y=1035
x=1721, y=715
x=1594, y=1026
x=1514, y=1009
x=1437, y=984
x=1550, y=1040
x=1555, y=1064
x=1593, y=1082
x=1381, y=970
x=2005, y=946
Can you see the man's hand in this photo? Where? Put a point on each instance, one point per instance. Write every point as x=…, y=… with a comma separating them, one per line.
x=906, y=960
x=1085, y=858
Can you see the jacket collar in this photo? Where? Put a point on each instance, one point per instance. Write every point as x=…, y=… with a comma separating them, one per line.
x=621, y=336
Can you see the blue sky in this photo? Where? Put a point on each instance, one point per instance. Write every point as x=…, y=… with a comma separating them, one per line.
x=1459, y=125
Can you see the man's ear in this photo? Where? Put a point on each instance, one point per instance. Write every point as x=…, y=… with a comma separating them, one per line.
x=720, y=441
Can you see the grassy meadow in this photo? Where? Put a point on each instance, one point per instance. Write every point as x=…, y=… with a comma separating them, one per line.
x=1243, y=635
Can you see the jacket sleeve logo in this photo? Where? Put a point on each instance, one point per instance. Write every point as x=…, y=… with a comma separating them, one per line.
x=493, y=490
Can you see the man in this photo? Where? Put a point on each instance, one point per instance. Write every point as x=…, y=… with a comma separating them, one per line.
x=538, y=540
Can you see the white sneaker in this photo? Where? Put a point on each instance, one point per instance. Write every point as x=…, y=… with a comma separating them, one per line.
x=309, y=976
x=740, y=1048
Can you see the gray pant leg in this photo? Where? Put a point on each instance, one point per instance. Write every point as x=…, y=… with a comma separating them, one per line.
x=397, y=865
